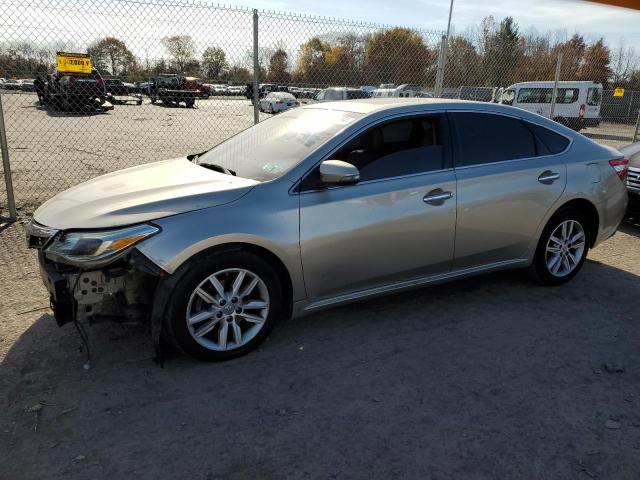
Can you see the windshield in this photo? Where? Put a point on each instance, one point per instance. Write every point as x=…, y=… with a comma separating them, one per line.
x=270, y=148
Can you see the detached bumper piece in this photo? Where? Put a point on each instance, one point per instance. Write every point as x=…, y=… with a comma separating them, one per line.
x=121, y=292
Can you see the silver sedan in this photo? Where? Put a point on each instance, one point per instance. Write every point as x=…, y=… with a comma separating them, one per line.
x=323, y=205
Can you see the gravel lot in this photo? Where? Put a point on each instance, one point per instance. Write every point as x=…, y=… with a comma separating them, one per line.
x=493, y=377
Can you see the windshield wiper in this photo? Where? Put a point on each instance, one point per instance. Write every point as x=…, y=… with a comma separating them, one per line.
x=217, y=168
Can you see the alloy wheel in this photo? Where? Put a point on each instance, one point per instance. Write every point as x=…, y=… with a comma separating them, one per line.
x=565, y=248
x=227, y=309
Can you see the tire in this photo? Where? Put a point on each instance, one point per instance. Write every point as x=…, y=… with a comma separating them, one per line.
x=545, y=261
x=190, y=102
x=185, y=303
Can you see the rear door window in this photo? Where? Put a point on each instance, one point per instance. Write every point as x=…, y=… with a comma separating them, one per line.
x=594, y=97
x=489, y=138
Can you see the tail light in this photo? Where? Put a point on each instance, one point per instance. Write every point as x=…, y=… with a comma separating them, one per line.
x=621, y=166
x=279, y=101
x=582, y=108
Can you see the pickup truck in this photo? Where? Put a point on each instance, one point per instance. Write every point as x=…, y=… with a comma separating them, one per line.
x=172, y=90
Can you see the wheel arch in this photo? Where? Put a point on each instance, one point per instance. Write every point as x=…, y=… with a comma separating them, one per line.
x=590, y=212
x=166, y=285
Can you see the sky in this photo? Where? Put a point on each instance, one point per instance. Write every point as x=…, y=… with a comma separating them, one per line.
x=75, y=24
x=591, y=19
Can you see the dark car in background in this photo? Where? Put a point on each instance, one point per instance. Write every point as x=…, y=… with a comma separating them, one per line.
x=76, y=91
x=172, y=90
x=632, y=153
x=12, y=84
x=28, y=85
x=115, y=86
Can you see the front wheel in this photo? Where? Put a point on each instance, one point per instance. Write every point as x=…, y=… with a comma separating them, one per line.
x=562, y=249
x=224, y=306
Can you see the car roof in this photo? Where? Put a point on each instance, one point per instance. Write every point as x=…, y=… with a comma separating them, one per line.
x=563, y=83
x=370, y=105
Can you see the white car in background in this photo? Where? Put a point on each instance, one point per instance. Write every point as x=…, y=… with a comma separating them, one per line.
x=276, y=102
x=577, y=103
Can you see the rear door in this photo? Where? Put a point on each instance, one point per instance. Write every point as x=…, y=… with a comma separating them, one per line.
x=508, y=179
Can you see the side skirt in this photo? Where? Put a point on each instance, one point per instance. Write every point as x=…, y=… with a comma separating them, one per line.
x=304, y=307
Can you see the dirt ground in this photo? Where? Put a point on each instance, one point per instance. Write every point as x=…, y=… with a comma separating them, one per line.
x=493, y=377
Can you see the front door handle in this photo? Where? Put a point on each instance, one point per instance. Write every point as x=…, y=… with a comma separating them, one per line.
x=548, y=177
x=437, y=197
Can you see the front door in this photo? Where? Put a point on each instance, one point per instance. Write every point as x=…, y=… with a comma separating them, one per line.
x=397, y=223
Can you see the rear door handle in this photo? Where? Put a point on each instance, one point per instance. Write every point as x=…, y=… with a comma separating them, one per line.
x=437, y=197
x=548, y=177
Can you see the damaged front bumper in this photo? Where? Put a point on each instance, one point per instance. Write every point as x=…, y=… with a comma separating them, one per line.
x=121, y=292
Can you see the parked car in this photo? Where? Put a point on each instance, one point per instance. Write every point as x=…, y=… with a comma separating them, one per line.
x=76, y=91
x=577, y=103
x=401, y=91
x=277, y=102
x=172, y=90
x=219, y=90
x=142, y=88
x=332, y=94
x=12, y=84
x=28, y=86
x=115, y=86
x=370, y=197
x=237, y=90
x=263, y=90
x=632, y=153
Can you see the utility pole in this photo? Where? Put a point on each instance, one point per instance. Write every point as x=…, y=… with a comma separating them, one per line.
x=442, y=58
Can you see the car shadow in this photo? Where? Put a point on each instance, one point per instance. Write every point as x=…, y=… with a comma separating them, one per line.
x=631, y=224
x=495, y=353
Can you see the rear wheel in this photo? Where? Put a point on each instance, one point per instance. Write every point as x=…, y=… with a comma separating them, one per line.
x=224, y=306
x=562, y=248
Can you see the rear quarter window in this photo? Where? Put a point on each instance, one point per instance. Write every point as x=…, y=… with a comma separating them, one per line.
x=554, y=142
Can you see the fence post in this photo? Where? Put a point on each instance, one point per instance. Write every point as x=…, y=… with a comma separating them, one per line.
x=440, y=68
x=555, y=86
x=8, y=181
x=256, y=70
x=637, y=130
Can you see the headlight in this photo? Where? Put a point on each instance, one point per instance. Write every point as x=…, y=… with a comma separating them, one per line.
x=96, y=248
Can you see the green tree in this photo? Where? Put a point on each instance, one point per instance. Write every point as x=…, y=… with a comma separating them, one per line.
x=214, y=63
x=398, y=55
x=111, y=54
x=279, y=67
x=502, y=51
x=181, y=48
x=462, y=63
x=596, y=63
x=237, y=74
x=573, y=51
x=312, y=67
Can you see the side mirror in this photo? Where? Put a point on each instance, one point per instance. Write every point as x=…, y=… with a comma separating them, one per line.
x=337, y=172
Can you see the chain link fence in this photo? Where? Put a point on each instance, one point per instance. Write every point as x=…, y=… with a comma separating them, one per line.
x=172, y=78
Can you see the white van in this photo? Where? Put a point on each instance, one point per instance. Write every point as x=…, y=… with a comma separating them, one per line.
x=577, y=104
x=402, y=91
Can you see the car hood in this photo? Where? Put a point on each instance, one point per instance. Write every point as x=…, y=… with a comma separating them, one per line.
x=141, y=194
